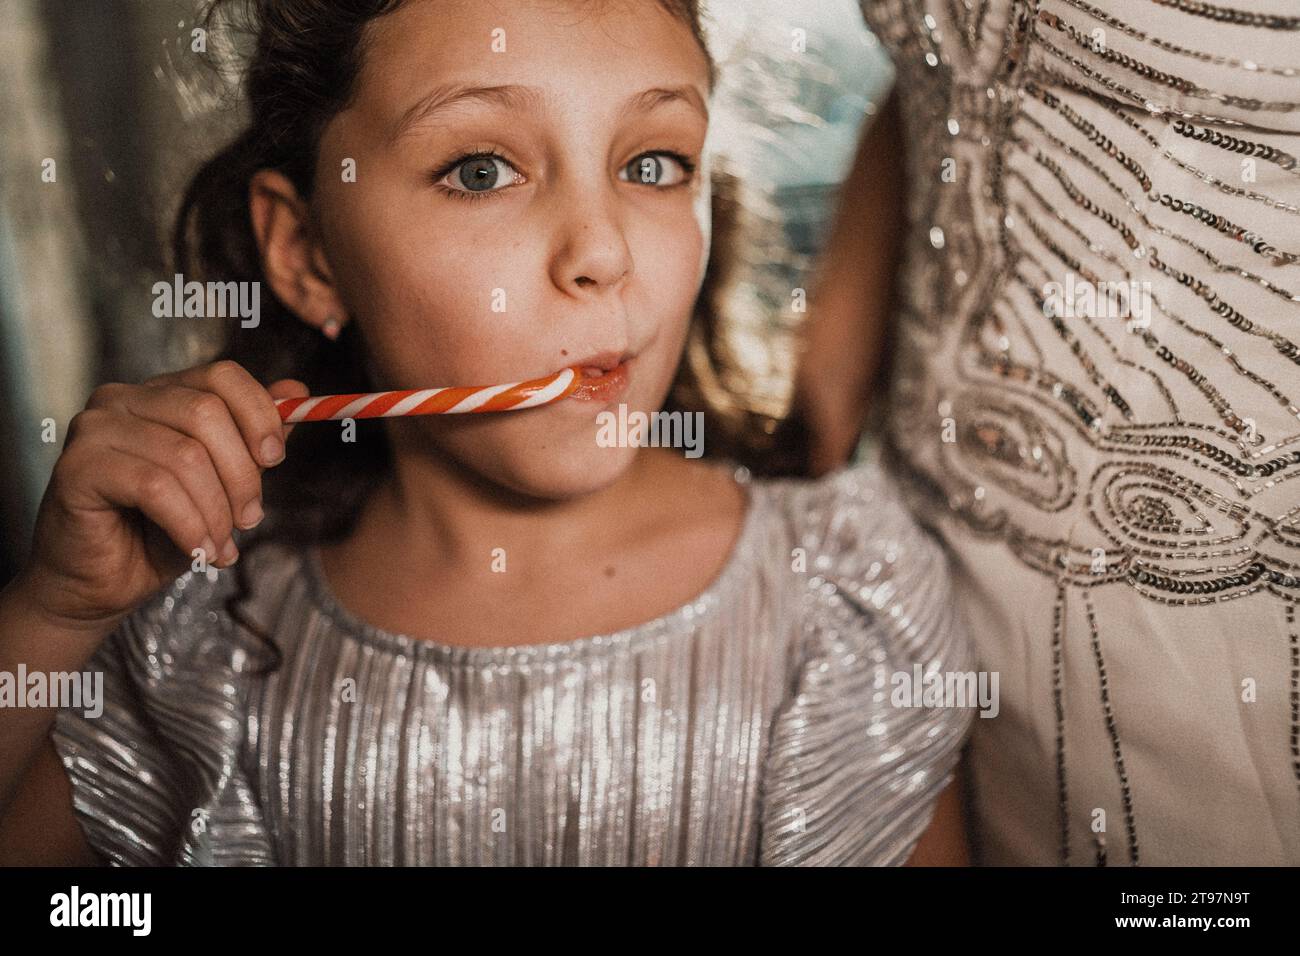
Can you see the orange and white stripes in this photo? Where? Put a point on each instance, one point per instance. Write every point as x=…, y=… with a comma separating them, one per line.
x=431, y=401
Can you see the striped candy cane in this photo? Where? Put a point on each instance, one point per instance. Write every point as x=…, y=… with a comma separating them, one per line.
x=431, y=401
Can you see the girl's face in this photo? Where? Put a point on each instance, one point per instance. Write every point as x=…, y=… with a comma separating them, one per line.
x=501, y=226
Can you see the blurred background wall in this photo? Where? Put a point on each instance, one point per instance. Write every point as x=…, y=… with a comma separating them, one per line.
x=105, y=110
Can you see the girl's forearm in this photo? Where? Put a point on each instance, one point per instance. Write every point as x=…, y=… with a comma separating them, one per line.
x=31, y=643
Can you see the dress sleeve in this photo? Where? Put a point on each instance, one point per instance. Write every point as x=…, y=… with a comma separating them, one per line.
x=125, y=789
x=156, y=774
x=854, y=767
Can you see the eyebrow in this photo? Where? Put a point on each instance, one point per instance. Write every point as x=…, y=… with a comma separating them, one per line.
x=531, y=99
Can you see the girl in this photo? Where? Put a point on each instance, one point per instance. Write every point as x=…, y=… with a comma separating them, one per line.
x=478, y=638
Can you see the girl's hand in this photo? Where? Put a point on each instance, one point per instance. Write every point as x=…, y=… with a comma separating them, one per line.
x=148, y=474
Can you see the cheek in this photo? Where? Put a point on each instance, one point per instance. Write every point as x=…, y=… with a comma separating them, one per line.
x=668, y=270
x=437, y=305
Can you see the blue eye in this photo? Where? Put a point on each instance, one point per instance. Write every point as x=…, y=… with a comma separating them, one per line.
x=480, y=174
x=659, y=168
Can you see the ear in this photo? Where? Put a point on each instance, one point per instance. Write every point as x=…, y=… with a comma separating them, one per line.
x=292, y=260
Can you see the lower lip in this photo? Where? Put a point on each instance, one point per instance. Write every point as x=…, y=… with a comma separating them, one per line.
x=603, y=388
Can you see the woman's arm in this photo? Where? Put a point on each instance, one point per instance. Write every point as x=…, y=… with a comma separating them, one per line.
x=944, y=841
x=852, y=295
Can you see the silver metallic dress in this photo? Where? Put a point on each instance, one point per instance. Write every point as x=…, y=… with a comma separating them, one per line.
x=755, y=724
x=1116, y=478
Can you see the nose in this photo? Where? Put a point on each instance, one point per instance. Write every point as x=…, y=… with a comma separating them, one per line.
x=593, y=256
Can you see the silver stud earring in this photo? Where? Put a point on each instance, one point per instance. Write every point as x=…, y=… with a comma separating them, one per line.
x=332, y=328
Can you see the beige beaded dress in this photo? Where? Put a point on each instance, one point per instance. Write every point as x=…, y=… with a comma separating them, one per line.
x=1095, y=400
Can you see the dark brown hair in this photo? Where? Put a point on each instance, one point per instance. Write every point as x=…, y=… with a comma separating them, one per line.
x=301, y=71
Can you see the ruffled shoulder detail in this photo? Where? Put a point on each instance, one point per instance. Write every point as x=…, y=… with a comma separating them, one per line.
x=157, y=778
x=851, y=777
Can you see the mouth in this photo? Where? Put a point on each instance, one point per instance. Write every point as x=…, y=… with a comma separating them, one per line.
x=604, y=377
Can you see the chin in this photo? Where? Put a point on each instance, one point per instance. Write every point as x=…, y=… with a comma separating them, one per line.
x=564, y=477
